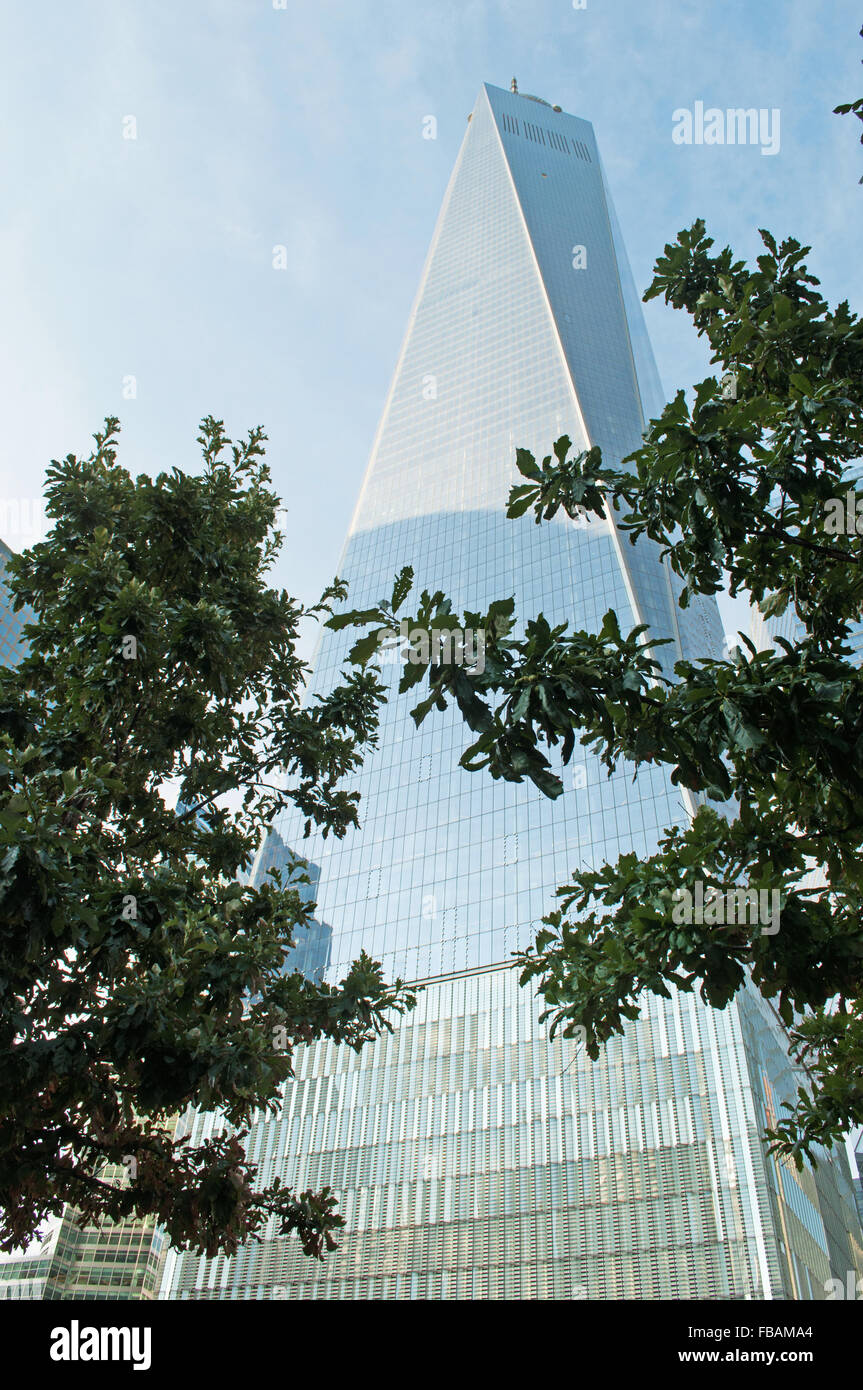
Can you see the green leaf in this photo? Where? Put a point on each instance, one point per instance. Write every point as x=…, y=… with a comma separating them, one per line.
x=527, y=466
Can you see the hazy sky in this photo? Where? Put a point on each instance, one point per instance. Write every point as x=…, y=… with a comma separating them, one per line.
x=302, y=126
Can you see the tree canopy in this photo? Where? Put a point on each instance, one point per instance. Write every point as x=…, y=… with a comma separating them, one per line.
x=138, y=974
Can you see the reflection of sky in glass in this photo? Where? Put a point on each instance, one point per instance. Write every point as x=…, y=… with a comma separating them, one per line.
x=310, y=952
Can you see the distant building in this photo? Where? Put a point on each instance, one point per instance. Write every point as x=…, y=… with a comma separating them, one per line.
x=310, y=953
x=119, y=1260
x=12, y=645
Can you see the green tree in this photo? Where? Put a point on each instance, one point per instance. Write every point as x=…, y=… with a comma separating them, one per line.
x=732, y=482
x=137, y=975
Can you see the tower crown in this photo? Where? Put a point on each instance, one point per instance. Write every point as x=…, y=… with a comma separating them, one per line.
x=513, y=87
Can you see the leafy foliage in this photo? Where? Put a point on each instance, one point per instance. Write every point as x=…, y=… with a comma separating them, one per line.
x=137, y=975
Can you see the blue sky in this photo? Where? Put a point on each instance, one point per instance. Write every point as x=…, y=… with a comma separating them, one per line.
x=302, y=127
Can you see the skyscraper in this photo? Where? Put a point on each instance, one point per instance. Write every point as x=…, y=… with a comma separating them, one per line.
x=475, y=1157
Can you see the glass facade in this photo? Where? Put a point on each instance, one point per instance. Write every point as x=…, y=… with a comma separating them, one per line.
x=475, y=1157
x=12, y=646
x=312, y=948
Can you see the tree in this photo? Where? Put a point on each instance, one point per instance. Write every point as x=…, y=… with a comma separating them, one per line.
x=738, y=482
x=137, y=974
